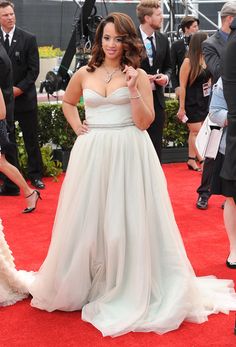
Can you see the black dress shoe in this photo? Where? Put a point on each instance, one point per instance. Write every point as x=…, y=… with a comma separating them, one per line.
x=231, y=265
x=8, y=192
x=37, y=183
x=202, y=203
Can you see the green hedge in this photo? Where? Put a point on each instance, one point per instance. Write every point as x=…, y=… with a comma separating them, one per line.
x=53, y=127
x=51, y=167
x=175, y=133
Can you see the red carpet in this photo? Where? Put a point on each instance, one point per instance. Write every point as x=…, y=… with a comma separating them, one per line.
x=29, y=235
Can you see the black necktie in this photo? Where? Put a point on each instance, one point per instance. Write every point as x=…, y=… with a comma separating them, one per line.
x=154, y=53
x=7, y=43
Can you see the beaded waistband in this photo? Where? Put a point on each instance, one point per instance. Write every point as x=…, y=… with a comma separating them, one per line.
x=110, y=126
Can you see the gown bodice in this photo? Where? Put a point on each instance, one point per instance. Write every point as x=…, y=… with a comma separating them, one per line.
x=107, y=110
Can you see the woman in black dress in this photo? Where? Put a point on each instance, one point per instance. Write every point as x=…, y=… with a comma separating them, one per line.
x=194, y=95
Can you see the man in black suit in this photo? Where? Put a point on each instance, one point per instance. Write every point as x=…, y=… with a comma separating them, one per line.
x=157, y=63
x=22, y=49
x=189, y=25
x=213, y=50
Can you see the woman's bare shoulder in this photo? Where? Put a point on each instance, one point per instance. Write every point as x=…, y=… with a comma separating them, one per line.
x=142, y=75
x=82, y=71
x=186, y=66
x=186, y=61
x=141, y=72
x=80, y=75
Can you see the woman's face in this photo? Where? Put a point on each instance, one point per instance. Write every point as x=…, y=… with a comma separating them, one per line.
x=112, y=42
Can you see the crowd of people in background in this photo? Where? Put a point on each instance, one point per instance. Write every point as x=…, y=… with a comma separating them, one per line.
x=202, y=72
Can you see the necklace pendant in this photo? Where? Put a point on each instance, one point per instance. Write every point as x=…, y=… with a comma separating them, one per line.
x=109, y=75
x=107, y=79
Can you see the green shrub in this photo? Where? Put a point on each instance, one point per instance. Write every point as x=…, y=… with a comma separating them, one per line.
x=53, y=127
x=51, y=167
x=175, y=133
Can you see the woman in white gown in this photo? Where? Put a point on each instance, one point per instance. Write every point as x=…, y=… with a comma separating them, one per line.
x=116, y=252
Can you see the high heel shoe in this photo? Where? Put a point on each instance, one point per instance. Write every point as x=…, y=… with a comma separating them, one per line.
x=190, y=167
x=231, y=265
x=31, y=209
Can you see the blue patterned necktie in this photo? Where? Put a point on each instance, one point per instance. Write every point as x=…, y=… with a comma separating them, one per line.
x=154, y=53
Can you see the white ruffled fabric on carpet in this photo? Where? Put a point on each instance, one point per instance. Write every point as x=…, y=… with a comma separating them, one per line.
x=13, y=284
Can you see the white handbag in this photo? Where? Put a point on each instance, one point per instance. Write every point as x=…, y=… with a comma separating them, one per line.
x=208, y=140
x=203, y=137
x=213, y=143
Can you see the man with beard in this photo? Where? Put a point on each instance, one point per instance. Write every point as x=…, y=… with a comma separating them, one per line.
x=157, y=63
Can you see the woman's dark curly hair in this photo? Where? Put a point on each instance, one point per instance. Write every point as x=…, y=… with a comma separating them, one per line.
x=132, y=46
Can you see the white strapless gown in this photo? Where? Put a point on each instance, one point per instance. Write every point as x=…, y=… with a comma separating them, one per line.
x=116, y=252
x=13, y=284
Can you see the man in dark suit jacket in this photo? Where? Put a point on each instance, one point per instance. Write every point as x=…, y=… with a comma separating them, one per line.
x=189, y=25
x=23, y=52
x=213, y=50
x=157, y=63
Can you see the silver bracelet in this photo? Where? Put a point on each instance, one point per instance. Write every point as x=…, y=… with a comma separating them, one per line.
x=136, y=97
